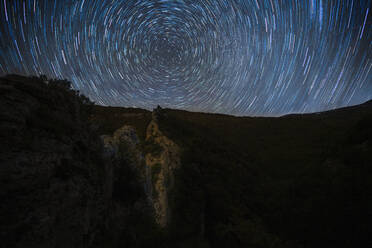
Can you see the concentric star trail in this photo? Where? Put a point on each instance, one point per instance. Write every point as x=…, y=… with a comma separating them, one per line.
x=242, y=57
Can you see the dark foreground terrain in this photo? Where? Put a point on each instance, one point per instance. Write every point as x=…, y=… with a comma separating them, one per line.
x=73, y=174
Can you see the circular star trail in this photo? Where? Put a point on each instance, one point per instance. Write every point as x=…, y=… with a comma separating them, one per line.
x=242, y=57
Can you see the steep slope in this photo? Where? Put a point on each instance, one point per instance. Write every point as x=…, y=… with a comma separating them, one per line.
x=47, y=191
x=131, y=219
x=61, y=185
x=161, y=163
x=274, y=182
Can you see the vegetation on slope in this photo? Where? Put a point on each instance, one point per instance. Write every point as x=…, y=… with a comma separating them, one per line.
x=109, y=119
x=298, y=180
x=57, y=188
x=294, y=181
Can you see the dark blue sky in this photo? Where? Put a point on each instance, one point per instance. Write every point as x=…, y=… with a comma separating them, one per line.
x=242, y=57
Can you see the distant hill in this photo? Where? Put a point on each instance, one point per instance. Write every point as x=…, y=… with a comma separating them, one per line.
x=209, y=180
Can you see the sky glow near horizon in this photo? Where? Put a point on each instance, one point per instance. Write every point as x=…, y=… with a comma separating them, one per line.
x=241, y=57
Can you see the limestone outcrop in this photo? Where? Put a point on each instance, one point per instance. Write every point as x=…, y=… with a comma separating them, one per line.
x=161, y=163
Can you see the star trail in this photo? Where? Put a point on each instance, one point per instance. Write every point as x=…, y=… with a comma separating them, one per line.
x=241, y=57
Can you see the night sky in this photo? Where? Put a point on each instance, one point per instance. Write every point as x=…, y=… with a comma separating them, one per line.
x=242, y=57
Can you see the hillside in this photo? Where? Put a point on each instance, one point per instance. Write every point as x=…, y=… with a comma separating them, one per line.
x=303, y=179
x=74, y=174
x=61, y=184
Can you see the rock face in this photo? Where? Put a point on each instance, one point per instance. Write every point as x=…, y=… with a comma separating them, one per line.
x=125, y=174
x=123, y=149
x=161, y=163
x=124, y=144
x=155, y=169
x=61, y=185
x=50, y=169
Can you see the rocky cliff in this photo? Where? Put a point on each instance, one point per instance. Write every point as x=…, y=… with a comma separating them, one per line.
x=161, y=165
x=155, y=162
x=51, y=169
x=61, y=184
